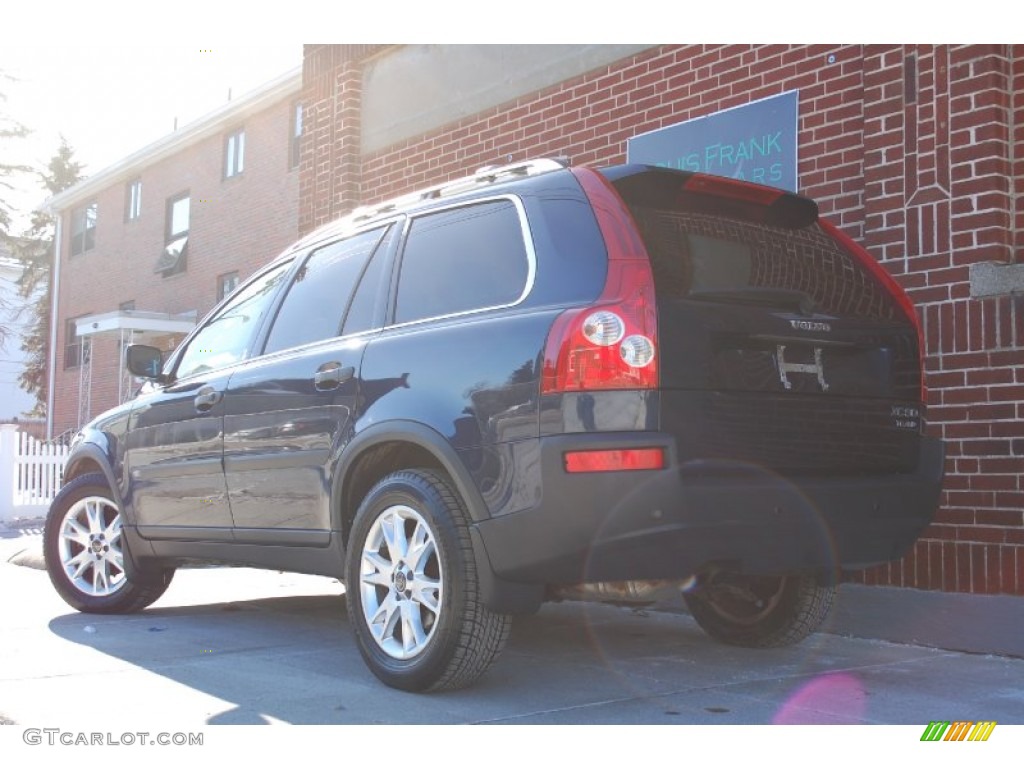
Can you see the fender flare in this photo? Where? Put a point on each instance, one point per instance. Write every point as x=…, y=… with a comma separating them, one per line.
x=498, y=594
x=96, y=455
x=422, y=436
x=134, y=547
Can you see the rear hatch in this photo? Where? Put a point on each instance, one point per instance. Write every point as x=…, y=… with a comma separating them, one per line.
x=780, y=346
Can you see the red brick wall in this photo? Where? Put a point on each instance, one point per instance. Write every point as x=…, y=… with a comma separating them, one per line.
x=330, y=162
x=1017, y=121
x=236, y=224
x=919, y=171
x=589, y=118
x=939, y=202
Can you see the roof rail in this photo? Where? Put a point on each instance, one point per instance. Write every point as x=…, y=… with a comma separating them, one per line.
x=486, y=175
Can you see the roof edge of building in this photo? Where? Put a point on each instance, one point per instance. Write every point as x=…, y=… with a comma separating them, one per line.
x=207, y=125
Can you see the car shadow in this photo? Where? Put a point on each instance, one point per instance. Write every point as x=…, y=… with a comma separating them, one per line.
x=293, y=659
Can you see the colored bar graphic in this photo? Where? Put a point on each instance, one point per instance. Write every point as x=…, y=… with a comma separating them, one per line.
x=959, y=730
x=982, y=731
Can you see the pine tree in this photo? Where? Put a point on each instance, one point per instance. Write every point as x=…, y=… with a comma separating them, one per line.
x=35, y=250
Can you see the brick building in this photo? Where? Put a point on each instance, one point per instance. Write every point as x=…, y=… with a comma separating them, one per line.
x=915, y=150
x=150, y=244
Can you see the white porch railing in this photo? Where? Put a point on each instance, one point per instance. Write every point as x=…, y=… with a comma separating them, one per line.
x=30, y=473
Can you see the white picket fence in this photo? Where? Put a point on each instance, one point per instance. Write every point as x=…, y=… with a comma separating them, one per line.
x=30, y=473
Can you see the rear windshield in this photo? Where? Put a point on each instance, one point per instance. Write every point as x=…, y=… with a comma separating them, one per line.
x=699, y=255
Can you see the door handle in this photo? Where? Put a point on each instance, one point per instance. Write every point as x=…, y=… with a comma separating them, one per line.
x=207, y=398
x=331, y=376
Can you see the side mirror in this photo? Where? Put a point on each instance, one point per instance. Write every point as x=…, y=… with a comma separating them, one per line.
x=144, y=361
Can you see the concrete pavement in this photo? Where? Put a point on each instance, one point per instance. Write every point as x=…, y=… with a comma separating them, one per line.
x=986, y=624
x=240, y=646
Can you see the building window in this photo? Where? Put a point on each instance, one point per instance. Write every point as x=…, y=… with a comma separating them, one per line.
x=296, y=137
x=226, y=284
x=173, y=259
x=234, y=154
x=83, y=229
x=178, y=213
x=133, y=200
x=73, y=344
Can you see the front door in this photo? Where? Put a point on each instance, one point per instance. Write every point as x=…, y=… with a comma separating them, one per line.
x=175, y=441
x=175, y=450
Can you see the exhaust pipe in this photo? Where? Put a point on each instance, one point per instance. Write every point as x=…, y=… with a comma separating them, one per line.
x=618, y=592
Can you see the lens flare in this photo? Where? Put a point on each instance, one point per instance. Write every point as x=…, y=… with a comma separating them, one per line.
x=840, y=695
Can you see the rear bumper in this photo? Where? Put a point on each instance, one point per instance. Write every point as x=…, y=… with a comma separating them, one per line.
x=670, y=523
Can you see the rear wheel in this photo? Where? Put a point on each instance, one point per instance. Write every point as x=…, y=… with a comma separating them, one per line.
x=83, y=546
x=412, y=588
x=760, y=611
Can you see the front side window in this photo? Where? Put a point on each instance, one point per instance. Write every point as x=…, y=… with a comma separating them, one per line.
x=133, y=200
x=234, y=154
x=462, y=259
x=317, y=299
x=83, y=229
x=226, y=337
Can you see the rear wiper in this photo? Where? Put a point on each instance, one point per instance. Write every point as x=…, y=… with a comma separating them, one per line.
x=772, y=297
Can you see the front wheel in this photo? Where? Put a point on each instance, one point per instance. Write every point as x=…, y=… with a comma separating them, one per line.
x=760, y=611
x=412, y=588
x=83, y=546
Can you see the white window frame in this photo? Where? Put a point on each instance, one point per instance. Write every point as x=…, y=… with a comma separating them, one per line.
x=134, y=199
x=234, y=153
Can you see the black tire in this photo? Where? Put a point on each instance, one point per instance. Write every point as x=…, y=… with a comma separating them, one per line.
x=415, y=606
x=87, y=567
x=760, y=611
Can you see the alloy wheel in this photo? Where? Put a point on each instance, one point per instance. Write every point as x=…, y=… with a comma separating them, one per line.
x=89, y=547
x=401, y=582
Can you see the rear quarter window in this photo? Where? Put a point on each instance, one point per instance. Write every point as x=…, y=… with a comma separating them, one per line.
x=462, y=259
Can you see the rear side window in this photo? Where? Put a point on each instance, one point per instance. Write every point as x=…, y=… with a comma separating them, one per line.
x=462, y=259
x=698, y=255
x=319, y=294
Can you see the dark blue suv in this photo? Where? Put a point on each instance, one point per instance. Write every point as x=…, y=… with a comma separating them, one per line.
x=534, y=383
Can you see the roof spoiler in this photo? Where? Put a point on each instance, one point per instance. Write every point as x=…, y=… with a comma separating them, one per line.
x=653, y=186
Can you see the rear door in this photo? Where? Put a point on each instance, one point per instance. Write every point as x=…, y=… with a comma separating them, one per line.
x=288, y=413
x=780, y=347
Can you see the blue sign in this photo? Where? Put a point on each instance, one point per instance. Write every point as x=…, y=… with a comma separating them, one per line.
x=755, y=142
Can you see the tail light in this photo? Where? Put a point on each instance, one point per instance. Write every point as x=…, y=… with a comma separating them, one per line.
x=894, y=289
x=613, y=343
